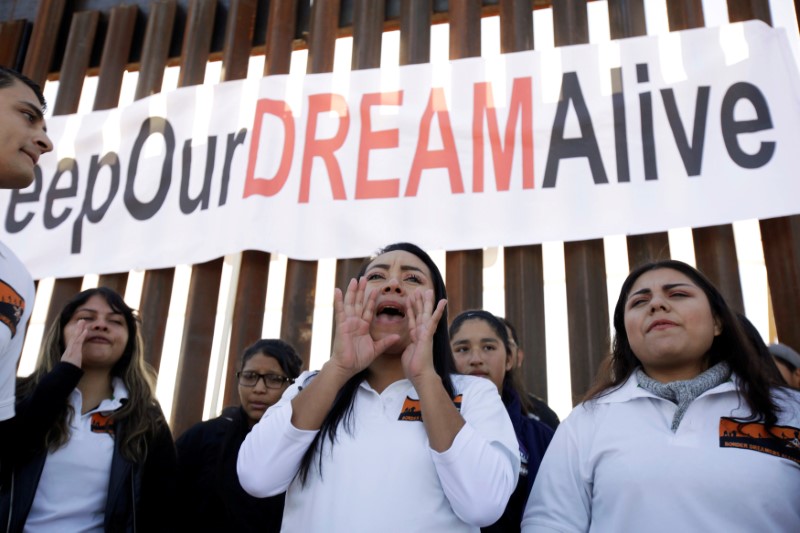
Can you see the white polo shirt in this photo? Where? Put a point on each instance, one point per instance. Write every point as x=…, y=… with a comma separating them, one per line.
x=72, y=492
x=384, y=476
x=16, y=303
x=615, y=465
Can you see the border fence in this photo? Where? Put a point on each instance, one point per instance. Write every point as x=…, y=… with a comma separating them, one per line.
x=70, y=40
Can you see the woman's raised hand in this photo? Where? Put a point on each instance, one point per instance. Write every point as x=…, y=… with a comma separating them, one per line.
x=353, y=346
x=73, y=354
x=417, y=358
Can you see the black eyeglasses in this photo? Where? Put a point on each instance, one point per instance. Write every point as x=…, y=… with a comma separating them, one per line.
x=248, y=378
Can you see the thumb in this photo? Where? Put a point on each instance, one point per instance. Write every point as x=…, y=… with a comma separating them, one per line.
x=384, y=343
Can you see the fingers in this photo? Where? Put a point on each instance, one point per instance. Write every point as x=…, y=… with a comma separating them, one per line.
x=437, y=314
x=359, y=296
x=350, y=297
x=384, y=343
x=74, y=352
x=369, y=306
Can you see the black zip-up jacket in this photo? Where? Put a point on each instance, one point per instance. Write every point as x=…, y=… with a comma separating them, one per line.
x=140, y=495
x=211, y=498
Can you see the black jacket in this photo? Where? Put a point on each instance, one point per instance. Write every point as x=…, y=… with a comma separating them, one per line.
x=211, y=498
x=139, y=494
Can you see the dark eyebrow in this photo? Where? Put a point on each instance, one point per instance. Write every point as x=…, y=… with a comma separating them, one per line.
x=34, y=109
x=667, y=287
x=404, y=268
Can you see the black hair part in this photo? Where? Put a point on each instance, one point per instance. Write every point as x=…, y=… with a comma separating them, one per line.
x=283, y=352
x=8, y=76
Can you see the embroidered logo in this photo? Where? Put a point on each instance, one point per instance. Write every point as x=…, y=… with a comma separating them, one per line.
x=12, y=306
x=784, y=441
x=411, y=411
x=102, y=423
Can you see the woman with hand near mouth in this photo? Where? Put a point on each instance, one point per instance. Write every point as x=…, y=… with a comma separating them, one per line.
x=684, y=431
x=481, y=347
x=93, y=451
x=384, y=437
x=211, y=497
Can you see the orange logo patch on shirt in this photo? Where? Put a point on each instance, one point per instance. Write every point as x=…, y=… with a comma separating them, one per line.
x=782, y=441
x=411, y=411
x=102, y=424
x=12, y=306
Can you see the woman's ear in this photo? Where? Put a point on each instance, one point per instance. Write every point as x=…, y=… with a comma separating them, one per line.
x=717, y=326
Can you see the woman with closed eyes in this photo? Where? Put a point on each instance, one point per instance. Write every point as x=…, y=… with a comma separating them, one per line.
x=685, y=429
x=209, y=491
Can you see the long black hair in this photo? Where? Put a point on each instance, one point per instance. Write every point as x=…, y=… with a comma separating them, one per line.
x=342, y=410
x=731, y=345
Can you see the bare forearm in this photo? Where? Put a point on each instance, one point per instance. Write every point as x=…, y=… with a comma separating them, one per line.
x=439, y=415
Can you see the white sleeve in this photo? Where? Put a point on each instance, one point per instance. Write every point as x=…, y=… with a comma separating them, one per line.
x=8, y=372
x=270, y=455
x=480, y=470
x=561, y=498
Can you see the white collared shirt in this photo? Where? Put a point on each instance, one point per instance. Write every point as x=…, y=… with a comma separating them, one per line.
x=615, y=465
x=384, y=476
x=72, y=491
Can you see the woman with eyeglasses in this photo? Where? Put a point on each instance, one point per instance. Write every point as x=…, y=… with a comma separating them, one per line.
x=211, y=497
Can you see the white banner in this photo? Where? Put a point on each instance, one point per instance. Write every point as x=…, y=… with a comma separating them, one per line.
x=633, y=136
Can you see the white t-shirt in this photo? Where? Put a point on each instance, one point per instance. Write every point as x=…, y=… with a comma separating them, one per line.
x=72, y=492
x=385, y=477
x=16, y=303
x=615, y=465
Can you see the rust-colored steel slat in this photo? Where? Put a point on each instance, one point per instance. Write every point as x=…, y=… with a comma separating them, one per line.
x=524, y=274
x=741, y=10
x=201, y=306
x=714, y=247
x=246, y=319
x=281, y=27
x=12, y=34
x=523, y=265
x=415, y=31
x=516, y=26
x=627, y=19
x=464, y=268
x=155, y=49
x=301, y=276
x=42, y=44
x=780, y=237
x=73, y=72
x=157, y=284
x=251, y=291
x=584, y=261
x=368, y=17
x=114, y=60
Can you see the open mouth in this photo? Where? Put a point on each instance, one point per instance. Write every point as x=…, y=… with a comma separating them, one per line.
x=390, y=311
